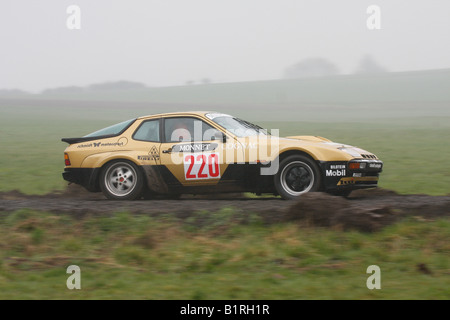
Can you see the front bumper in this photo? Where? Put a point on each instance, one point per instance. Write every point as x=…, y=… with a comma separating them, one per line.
x=354, y=174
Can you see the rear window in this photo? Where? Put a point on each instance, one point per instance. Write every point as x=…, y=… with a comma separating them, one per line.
x=112, y=130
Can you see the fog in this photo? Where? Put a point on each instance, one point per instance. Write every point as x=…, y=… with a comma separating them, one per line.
x=171, y=43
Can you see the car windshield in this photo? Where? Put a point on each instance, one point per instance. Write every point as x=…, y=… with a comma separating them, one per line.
x=111, y=130
x=236, y=126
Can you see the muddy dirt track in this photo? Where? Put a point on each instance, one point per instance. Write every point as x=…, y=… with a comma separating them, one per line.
x=365, y=210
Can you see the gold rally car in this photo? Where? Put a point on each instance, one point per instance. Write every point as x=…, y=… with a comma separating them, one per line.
x=208, y=152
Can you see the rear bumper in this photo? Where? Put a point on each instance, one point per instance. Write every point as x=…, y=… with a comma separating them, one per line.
x=86, y=177
x=338, y=175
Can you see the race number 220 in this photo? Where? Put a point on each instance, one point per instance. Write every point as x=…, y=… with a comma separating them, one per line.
x=201, y=166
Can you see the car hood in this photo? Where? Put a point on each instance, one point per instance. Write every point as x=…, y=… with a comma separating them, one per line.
x=326, y=143
x=318, y=147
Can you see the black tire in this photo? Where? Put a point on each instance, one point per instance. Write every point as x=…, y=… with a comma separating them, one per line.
x=121, y=180
x=297, y=175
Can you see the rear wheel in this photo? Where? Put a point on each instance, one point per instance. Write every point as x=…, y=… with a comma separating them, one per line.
x=121, y=180
x=297, y=175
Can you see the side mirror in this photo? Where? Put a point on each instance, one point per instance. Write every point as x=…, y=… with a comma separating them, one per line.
x=219, y=136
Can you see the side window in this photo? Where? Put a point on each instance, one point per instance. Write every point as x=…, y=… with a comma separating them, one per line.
x=184, y=129
x=148, y=131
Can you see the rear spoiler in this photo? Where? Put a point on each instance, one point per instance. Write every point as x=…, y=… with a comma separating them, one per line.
x=84, y=139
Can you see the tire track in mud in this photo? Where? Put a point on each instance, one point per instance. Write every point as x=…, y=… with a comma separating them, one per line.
x=364, y=210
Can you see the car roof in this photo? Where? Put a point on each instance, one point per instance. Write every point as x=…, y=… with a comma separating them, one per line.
x=180, y=113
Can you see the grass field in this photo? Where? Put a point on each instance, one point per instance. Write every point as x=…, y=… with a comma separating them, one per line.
x=134, y=257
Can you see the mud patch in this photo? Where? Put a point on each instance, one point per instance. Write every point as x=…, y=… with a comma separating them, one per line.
x=365, y=210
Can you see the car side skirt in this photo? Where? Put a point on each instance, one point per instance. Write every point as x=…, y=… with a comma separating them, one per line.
x=237, y=178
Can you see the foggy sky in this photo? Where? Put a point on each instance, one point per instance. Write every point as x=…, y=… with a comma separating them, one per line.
x=168, y=42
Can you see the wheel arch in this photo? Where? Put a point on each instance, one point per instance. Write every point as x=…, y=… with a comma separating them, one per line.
x=117, y=159
x=100, y=160
x=290, y=152
x=106, y=159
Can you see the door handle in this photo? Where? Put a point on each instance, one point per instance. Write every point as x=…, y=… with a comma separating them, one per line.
x=168, y=150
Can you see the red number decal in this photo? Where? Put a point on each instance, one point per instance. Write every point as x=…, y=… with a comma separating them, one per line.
x=191, y=165
x=202, y=166
x=213, y=172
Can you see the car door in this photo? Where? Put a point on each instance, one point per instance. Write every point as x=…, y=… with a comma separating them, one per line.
x=195, y=152
x=146, y=148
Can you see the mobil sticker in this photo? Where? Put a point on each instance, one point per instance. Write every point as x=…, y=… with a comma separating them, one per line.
x=335, y=173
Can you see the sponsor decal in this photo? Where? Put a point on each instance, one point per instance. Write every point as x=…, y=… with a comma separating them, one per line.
x=120, y=143
x=85, y=145
x=357, y=175
x=109, y=144
x=335, y=173
x=236, y=146
x=153, y=154
x=375, y=165
x=337, y=166
x=123, y=141
x=194, y=147
x=370, y=180
x=201, y=166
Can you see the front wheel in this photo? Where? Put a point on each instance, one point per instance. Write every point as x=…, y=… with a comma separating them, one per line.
x=297, y=175
x=121, y=180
